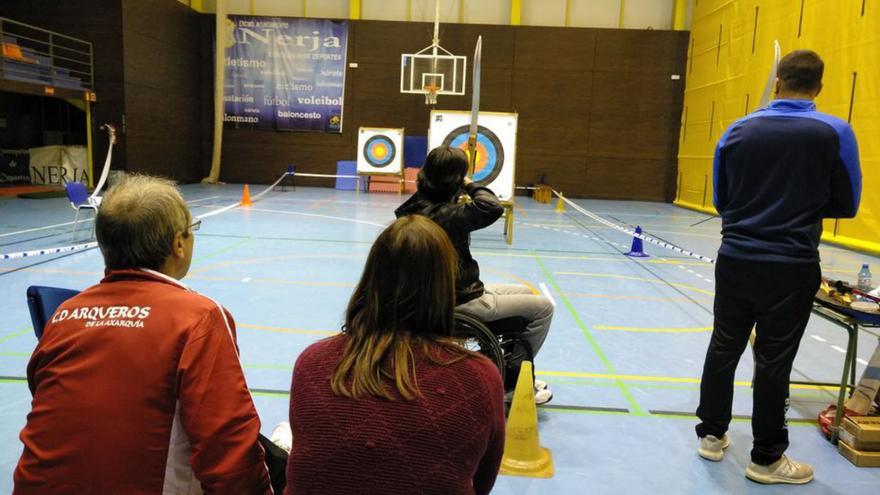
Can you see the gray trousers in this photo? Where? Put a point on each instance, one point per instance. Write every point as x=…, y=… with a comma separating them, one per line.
x=505, y=301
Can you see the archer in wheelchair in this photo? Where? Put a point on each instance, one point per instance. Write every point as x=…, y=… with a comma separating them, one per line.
x=519, y=318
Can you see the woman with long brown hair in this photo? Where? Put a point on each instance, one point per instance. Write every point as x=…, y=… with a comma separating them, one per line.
x=394, y=405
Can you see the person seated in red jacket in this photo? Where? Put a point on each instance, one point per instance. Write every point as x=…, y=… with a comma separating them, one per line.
x=136, y=382
x=393, y=405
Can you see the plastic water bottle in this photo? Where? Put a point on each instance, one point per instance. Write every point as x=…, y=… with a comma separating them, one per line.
x=865, y=278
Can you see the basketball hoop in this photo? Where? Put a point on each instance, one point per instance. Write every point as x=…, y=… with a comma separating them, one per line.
x=431, y=94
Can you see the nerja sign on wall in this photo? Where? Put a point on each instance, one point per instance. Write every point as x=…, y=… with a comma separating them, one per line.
x=285, y=73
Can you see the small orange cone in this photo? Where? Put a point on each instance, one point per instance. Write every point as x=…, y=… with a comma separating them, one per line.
x=523, y=454
x=560, y=204
x=246, y=197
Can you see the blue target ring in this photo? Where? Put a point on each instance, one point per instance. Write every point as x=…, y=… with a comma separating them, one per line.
x=379, y=151
x=490, y=153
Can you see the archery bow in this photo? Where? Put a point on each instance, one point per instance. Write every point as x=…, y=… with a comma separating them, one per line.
x=771, y=79
x=111, y=131
x=475, y=109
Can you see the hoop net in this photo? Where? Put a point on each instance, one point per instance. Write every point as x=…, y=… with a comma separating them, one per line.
x=431, y=94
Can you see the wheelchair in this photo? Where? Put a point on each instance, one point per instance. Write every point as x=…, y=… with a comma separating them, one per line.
x=498, y=340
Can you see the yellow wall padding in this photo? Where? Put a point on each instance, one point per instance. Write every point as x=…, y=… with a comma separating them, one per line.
x=729, y=60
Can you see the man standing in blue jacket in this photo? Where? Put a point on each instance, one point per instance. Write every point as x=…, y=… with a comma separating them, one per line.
x=778, y=172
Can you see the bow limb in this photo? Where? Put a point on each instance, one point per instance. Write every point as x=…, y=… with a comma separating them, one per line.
x=771, y=79
x=475, y=109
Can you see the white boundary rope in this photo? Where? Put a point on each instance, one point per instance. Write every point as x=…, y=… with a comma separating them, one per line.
x=89, y=245
x=632, y=233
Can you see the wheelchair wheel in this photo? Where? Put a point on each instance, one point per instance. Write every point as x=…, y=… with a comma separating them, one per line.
x=478, y=338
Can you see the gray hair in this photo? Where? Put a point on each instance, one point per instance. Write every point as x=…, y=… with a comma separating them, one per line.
x=137, y=221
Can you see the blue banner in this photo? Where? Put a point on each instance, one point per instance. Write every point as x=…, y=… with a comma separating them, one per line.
x=15, y=167
x=285, y=73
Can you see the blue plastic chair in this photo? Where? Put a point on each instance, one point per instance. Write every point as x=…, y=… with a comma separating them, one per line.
x=42, y=303
x=80, y=200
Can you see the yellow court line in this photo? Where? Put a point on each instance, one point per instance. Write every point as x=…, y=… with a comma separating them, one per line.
x=640, y=279
x=307, y=283
x=653, y=330
x=626, y=298
x=514, y=277
x=300, y=331
x=592, y=258
x=662, y=379
x=54, y=270
x=248, y=261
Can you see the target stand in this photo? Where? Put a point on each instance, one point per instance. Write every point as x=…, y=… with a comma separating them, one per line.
x=380, y=154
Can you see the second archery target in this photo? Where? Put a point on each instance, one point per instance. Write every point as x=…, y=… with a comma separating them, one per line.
x=380, y=151
x=496, y=145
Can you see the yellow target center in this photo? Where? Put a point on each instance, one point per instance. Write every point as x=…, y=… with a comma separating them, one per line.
x=482, y=156
x=380, y=151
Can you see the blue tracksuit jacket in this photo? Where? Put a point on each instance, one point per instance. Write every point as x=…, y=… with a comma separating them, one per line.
x=777, y=173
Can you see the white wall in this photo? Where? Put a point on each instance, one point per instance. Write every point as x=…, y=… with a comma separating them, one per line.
x=637, y=14
x=487, y=11
x=543, y=12
x=593, y=13
x=642, y=14
x=331, y=9
x=384, y=10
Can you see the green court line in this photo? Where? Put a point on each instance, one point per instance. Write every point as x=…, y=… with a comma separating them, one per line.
x=270, y=393
x=220, y=251
x=15, y=354
x=284, y=367
x=16, y=333
x=633, y=404
x=278, y=394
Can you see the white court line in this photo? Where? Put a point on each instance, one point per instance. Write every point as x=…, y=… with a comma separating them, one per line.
x=862, y=361
x=201, y=199
x=281, y=212
x=839, y=349
x=816, y=337
x=47, y=227
x=546, y=293
x=246, y=279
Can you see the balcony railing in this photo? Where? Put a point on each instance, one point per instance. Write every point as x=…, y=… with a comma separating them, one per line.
x=35, y=55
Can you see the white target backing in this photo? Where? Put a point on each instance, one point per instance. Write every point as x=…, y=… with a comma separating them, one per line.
x=496, y=145
x=380, y=151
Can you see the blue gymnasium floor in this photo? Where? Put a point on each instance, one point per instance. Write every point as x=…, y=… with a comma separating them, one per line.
x=623, y=357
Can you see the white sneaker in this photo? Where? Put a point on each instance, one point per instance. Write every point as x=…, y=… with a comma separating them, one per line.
x=543, y=396
x=540, y=384
x=282, y=436
x=784, y=470
x=712, y=448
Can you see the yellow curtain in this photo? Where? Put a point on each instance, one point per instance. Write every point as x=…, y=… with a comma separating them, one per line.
x=729, y=59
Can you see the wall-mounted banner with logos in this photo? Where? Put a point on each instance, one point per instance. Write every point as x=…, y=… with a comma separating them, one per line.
x=285, y=73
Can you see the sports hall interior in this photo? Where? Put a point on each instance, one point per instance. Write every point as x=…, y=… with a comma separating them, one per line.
x=619, y=105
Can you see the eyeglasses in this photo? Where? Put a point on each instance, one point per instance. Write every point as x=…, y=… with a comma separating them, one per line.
x=195, y=226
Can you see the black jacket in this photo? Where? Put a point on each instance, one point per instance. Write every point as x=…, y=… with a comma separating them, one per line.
x=459, y=220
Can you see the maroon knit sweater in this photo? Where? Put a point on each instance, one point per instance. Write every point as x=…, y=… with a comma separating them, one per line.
x=448, y=442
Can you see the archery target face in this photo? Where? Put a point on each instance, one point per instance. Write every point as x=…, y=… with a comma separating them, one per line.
x=381, y=151
x=496, y=145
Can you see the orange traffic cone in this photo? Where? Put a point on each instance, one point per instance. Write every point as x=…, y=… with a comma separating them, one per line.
x=560, y=204
x=523, y=454
x=246, y=197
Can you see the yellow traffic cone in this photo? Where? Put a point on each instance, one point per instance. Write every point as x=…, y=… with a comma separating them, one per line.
x=523, y=454
x=246, y=197
x=560, y=204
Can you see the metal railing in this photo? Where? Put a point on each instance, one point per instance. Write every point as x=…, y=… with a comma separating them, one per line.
x=40, y=56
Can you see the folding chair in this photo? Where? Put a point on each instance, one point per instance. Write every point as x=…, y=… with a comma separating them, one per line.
x=80, y=200
x=42, y=303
